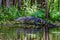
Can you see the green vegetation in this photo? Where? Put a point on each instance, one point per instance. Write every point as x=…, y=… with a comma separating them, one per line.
x=12, y=12
x=55, y=10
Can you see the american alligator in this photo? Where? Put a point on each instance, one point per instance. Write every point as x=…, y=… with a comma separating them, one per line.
x=29, y=21
x=36, y=21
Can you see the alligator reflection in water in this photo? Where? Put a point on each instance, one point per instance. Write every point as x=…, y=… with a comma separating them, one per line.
x=30, y=34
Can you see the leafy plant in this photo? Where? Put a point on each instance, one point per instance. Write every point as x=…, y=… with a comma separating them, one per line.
x=54, y=10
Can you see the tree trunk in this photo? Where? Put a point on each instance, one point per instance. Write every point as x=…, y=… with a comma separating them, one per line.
x=11, y=2
x=7, y=3
x=46, y=34
x=47, y=9
x=14, y=2
x=32, y=2
x=0, y=3
x=47, y=16
x=19, y=4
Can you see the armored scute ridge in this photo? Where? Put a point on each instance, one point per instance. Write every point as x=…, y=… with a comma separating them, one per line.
x=30, y=19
